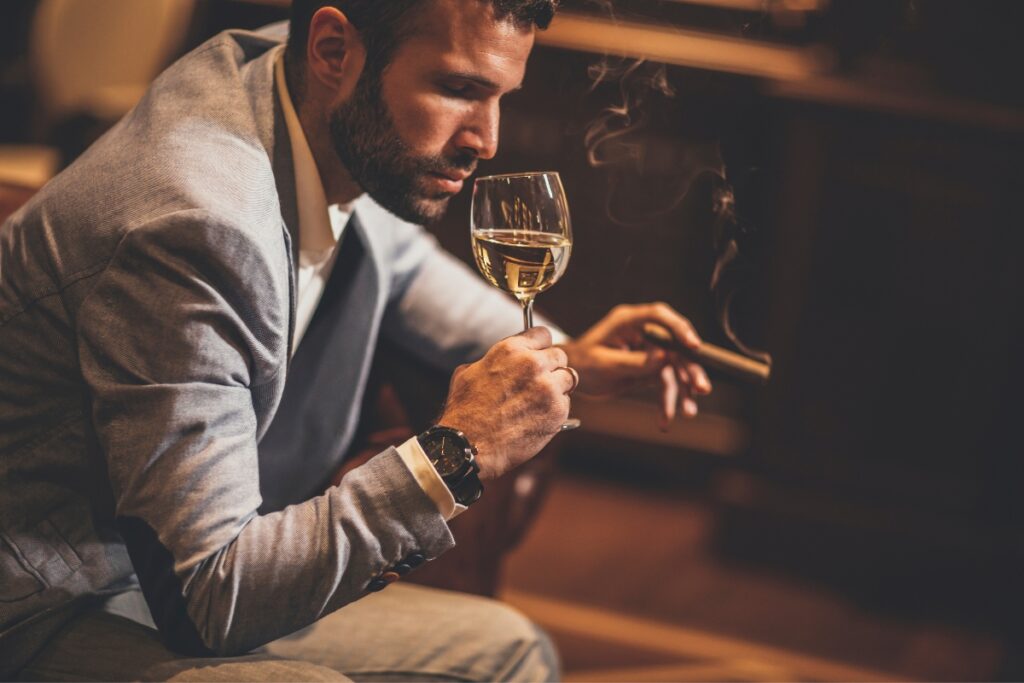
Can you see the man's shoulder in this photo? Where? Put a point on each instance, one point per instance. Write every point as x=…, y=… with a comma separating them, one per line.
x=192, y=143
x=206, y=124
x=188, y=157
x=219, y=95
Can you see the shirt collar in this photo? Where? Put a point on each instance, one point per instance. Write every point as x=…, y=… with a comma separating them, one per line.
x=317, y=232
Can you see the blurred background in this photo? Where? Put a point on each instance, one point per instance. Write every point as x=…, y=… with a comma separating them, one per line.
x=835, y=183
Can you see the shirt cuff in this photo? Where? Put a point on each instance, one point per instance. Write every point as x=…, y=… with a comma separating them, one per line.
x=429, y=480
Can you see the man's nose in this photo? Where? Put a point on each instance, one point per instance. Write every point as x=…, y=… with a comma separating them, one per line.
x=480, y=134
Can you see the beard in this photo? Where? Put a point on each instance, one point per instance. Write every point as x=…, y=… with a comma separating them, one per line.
x=365, y=139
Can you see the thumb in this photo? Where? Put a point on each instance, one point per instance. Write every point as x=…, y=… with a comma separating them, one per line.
x=536, y=338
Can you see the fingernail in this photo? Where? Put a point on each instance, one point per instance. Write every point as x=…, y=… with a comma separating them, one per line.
x=690, y=407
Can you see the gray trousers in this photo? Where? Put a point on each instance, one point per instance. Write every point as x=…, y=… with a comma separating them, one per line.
x=403, y=633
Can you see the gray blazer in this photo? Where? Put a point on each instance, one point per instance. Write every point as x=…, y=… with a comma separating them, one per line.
x=147, y=301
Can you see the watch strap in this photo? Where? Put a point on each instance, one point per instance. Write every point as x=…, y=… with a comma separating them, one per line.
x=465, y=486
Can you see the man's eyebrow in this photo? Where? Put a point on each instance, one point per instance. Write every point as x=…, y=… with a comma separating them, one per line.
x=479, y=80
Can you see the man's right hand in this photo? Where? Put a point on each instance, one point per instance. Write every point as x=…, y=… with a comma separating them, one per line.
x=512, y=401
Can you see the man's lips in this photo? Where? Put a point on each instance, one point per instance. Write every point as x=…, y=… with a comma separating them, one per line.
x=450, y=182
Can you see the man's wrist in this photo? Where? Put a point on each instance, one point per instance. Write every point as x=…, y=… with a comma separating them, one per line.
x=430, y=481
x=482, y=446
x=454, y=458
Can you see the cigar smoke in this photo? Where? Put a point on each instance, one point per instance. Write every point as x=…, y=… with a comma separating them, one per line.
x=617, y=140
x=725, y=280
x=624, y=142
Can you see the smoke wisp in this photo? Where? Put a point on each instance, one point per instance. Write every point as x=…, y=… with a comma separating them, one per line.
x=651, y=172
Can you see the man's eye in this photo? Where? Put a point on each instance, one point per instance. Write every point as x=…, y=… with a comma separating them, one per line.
x=459, y=90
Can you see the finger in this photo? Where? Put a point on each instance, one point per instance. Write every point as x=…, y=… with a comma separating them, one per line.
x=683, y=374
x=669, y=396
x=554, y=411
x=536, y=338
x=563, y=405
x=631, y=363
x=680, y=327
x=644, y=383
x=555, y=357
x=565, y=381
x=699, y=381
x=688, y=403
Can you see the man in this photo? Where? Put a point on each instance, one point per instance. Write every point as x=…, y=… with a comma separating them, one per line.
x=187, y=316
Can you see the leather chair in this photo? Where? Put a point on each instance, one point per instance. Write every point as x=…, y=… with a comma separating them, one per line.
x=91, y=61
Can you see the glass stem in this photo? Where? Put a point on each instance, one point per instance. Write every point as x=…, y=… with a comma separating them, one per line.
x=527, y=303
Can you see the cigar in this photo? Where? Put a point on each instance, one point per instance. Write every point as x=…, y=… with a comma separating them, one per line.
x=713, y=356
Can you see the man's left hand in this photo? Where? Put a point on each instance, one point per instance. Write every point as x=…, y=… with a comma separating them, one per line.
x=612, y=357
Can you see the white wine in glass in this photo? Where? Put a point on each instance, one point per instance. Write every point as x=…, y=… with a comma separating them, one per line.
x=522, y=236
x=523, y=263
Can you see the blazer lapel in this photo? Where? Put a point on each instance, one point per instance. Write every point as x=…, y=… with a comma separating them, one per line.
x=273, y=133
x=284, y=178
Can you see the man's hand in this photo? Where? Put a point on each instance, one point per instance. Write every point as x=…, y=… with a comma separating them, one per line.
x=512, y=401
x=612, y=357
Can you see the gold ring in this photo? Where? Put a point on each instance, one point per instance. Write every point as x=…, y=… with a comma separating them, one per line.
x=575, y=377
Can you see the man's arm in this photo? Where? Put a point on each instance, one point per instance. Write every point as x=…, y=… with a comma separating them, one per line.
x=446, y=314
x=179, y=334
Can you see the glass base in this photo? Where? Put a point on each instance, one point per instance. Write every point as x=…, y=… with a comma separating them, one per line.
x=570, y=424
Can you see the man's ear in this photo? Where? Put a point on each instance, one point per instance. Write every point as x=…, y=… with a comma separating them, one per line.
x=335, y=53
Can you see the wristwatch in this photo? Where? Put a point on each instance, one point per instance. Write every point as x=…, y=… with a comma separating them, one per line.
x=454, y=458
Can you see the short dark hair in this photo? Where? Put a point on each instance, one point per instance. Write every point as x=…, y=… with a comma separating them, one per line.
x=384, y=23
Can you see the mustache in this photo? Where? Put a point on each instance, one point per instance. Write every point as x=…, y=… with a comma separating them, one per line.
x=464, y=161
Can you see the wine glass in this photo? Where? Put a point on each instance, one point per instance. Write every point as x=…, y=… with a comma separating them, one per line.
x=522, y=236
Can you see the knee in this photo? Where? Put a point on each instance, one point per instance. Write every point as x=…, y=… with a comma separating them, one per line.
x=523, y=651
x=443, y=635
x=262, y=668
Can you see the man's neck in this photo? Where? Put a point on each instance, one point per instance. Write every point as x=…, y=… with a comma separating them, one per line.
x=339, y=187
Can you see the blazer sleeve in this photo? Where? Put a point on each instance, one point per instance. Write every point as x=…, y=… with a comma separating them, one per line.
x=179, y=332
x=441, y=310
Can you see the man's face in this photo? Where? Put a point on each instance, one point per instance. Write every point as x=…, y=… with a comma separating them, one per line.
x=411, y=135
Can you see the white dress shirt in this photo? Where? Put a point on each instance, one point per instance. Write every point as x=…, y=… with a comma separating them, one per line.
x=320, y=228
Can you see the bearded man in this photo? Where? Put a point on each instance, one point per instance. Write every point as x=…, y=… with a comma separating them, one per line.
x=188, y=315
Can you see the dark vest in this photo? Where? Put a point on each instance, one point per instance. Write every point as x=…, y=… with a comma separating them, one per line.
x=318, y=414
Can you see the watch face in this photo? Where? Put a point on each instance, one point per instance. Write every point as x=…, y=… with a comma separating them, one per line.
x=448, y=456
